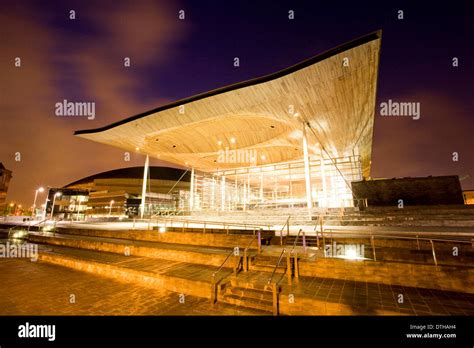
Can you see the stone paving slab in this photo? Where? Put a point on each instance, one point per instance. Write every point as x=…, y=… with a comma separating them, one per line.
x=31, y=288
x=362, y=297
x=190, y=271
x=368, y=297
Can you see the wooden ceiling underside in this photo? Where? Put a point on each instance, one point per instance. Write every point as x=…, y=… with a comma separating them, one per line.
x=338, y=102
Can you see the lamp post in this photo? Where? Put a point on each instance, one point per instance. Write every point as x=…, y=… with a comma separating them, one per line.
x=45, y=205
x=57, y=194
x=41, y=189
x=79, y=201
x=110, y=207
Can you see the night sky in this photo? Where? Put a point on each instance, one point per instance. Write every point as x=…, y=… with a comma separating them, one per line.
x=82, y=60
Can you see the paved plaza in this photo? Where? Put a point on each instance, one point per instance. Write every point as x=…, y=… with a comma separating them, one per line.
x=35, y=288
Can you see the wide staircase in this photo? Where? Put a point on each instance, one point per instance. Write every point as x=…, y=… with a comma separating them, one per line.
x=256, y=267
x=247, y=294
x=429, y=216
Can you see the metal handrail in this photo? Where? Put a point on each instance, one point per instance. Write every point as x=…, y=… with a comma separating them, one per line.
x=210, y=222
x=254, y=238
x=382, y=236
x=287, y=224
x=24, y=224
x=275, y=286
x=296, y=241
x=276, y=266
x=222, y=265
x=431, y=240
x=213, y=280
x=245, y=260
x=281, y=255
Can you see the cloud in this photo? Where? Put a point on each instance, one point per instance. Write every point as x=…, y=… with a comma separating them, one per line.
x=77, y=61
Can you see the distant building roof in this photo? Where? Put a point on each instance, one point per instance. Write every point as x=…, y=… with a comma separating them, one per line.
x=2, y=167
x=160, y=173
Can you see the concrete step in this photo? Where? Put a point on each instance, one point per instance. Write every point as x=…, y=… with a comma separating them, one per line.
x=248, y=302
x=173, y=252
x=270, y=263
x=167, y=235
x=266, y=258
x=185, y=278
x=268, y=268
x=249, y=293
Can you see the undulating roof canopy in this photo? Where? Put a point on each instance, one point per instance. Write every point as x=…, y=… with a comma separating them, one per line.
x=333, y=92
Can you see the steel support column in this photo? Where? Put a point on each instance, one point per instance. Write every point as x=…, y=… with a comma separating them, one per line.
x=145, y=179
x=191, y=191
x=307, y=173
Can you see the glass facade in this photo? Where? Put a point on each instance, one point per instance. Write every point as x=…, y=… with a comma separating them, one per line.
x=277, y=185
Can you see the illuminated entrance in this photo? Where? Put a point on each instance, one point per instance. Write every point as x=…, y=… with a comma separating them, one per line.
x=276, y=185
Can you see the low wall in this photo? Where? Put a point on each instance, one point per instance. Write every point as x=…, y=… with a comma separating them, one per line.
x=197, y=257
x=175, y=284
x=445, y=278
x=432, y=190
x=190, y=238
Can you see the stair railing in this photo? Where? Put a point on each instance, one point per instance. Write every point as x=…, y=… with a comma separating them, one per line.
x=287, y=225
x=213, y=279
x=273, y=287
x=11, y=230
x=246, y=254
x=321, y=230
x=408, y=236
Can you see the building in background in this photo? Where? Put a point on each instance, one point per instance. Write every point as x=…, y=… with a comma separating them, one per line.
x=5, y=177
x=431, y=190
x=297, y=137
x=468, y=196
x=118, y=193
x=66, y=204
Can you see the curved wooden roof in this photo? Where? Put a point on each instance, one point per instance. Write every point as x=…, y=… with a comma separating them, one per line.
x=337, y=102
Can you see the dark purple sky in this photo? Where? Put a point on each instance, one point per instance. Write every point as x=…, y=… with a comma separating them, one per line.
x=82, y=60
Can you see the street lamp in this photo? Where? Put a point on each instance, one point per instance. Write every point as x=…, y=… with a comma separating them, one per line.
x=79, y=200
x=45, y=205
x=110, y=207
x=41, y=189
x=57, y=194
